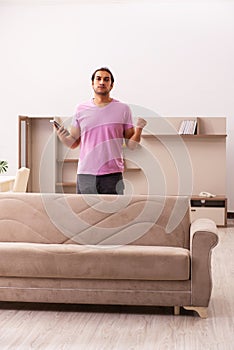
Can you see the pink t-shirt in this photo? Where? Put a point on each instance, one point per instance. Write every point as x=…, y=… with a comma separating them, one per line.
x=102, y=130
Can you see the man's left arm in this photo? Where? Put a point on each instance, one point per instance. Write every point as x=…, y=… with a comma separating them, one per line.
x=133, y=135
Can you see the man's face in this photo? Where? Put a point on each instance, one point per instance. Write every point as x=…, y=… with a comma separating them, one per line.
x=102, y=83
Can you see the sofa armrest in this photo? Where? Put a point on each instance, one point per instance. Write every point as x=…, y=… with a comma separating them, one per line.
x=203, y=238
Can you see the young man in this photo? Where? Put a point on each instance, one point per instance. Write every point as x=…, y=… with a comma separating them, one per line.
x=100, y=127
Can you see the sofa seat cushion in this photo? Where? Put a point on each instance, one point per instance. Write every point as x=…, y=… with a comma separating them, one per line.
x=94, y=262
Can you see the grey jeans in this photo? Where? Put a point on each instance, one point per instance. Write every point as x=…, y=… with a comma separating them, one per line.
x=100, y=184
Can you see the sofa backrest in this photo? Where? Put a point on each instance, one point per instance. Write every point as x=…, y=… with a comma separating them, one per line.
x=94, y=219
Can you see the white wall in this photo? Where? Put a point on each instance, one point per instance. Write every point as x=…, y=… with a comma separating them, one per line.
x=174, y=57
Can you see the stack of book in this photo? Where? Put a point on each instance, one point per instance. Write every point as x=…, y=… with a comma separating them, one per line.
x=188, y=127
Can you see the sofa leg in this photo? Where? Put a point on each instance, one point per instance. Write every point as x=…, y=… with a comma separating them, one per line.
x=202, y=311
x=176, y=310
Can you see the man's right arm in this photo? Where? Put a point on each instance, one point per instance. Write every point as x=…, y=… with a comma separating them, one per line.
x=70, y=139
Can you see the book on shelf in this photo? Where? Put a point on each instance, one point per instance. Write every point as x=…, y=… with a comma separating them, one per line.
x=188, y=127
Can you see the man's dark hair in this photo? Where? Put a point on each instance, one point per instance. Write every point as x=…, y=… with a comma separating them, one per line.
x=104, y=69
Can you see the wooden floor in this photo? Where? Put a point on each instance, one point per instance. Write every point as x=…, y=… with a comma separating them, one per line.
x=55, y=327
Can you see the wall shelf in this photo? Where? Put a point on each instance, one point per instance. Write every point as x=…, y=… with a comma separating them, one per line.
x=196, y=136
x=68, y=160
x=188, y=163
x=66, y=184
x=130, y=166
x=204, y=136
x=154, y=168
x=132, y=169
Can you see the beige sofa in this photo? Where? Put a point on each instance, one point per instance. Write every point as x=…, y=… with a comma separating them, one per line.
x=100, y=249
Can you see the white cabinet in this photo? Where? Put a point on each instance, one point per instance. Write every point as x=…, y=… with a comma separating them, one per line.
x=212, y=208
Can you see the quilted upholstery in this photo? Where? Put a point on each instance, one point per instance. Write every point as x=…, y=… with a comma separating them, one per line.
x=110, y=220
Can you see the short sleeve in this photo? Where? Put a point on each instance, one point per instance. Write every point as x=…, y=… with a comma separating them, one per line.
x=128, y=123
x=75, y=118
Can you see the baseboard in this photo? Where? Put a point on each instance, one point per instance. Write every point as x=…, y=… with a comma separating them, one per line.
x=230, y=215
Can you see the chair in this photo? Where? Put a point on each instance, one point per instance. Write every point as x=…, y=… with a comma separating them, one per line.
x=21, y=180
